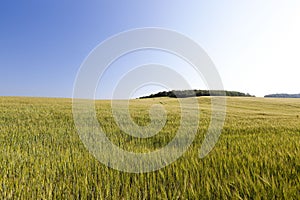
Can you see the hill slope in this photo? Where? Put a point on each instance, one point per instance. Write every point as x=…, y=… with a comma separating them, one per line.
x=256, y=157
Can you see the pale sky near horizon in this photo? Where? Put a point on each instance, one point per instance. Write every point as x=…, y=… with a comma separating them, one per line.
x=255, y=45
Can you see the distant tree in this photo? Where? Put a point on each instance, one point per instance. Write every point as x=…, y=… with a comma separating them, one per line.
x=199, y=93
x=283, y=95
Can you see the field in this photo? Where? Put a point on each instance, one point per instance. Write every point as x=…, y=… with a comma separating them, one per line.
x=256, y=157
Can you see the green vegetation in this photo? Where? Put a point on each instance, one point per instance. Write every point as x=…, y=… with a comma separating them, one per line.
x=257, y=156
x=283, y=95
x=197, y=93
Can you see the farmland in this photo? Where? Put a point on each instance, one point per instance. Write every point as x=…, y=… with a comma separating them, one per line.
x=256, y=157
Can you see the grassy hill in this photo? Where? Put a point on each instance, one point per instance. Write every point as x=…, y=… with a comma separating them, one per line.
x=256, y=157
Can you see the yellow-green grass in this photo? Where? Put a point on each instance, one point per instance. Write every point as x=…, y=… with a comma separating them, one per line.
x=256, y=157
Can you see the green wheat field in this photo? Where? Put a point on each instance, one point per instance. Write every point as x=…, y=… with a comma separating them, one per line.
x=256, y=157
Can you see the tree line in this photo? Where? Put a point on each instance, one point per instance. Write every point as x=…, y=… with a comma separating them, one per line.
x=283, y=95
x=198, y=93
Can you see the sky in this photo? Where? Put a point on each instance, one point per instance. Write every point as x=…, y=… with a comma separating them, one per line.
x=254, y=44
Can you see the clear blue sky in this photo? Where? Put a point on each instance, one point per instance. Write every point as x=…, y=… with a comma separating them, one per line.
x=254, y=44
